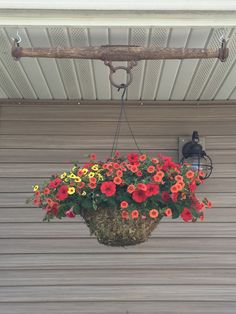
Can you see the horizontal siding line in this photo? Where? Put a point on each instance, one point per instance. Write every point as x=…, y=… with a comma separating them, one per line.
x=92, y=237
x=119, y=301
x=119, y=285
x=121, y=253
x=114, y=269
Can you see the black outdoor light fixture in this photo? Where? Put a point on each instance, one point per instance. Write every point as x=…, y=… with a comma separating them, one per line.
x=194, y=154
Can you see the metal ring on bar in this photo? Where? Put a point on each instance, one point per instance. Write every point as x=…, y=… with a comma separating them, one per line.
x=129, y=76
x=127, y=68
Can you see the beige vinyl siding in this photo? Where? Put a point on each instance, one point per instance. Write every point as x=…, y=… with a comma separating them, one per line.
x=58, y=268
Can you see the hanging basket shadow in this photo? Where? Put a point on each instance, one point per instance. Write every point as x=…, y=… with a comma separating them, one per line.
x=110, y=229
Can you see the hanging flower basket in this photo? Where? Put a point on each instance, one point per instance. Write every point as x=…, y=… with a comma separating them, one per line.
x=123, y=199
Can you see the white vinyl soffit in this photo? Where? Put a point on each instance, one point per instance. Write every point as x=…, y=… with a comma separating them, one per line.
x=170, y=5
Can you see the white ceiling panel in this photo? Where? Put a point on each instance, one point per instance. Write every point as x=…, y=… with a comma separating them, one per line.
x=159, y=38
x=39, y=38
x=178, y=39
x=138, y=37
x=59, y=38
x=221, y=70
x=99, y=37
x=198, y=39
x=43, y=78
x=84, y=69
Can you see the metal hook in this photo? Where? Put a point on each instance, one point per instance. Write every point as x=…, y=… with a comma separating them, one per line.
x=17, y=40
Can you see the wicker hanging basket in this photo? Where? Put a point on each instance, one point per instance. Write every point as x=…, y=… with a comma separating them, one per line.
x=111, y=230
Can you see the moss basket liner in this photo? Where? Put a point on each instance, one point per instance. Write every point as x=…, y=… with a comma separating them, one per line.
x=110, y=229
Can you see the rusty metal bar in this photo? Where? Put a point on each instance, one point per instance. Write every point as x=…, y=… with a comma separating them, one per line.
x=121, y=53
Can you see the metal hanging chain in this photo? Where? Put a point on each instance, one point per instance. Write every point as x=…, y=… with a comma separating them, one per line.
x=119, y=121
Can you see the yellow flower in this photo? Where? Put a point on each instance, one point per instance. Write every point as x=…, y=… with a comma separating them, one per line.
x=95, y=167
x=35, y=187
x=74, y=168
x=72, y=176
x=66, y=180
x=77, y=179
x=84, y=193
x=91, y=174
x=71, y=190
x=63, y=175
x=85, y=170
x=100, y=177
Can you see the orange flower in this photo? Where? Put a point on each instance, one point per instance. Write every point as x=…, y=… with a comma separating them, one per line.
x=178, y=178
x=143, y=157
x=189, y=174
x=124, y=204
x=151, y=169
x=134, y=168
x=174, y=188
x=139, y=173
x=46, y=191
x=157, y=178
x=160, y=174
x=155, y=160
x=117, y=180
x=134, y=214
x=131, y=188
x=168, y=212
x=125, y=214
x=92, y=185
x=80, y=173
x=182, y=184
x=49, y=201
x=153, y=213
x=209, y=204
x=119, y=173
x=104, y=166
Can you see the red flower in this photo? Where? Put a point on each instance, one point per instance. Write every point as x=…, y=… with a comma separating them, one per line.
x=186, y=214
x=139, y=173
x=92, y=185
x=142, y=186
x=192, y=186
x=139, y=196
x=174, y=197
x=93, y=156
x=116, y=165
x=70, y=214
x=152, y=189
x=62, y=193
x=133, y=158
x=124, y=214
x=55, y=183
x=124, y=204
x=108, y=188
x=93, y=180
x=165, y=196
x=134, y=214
x=153, y=213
